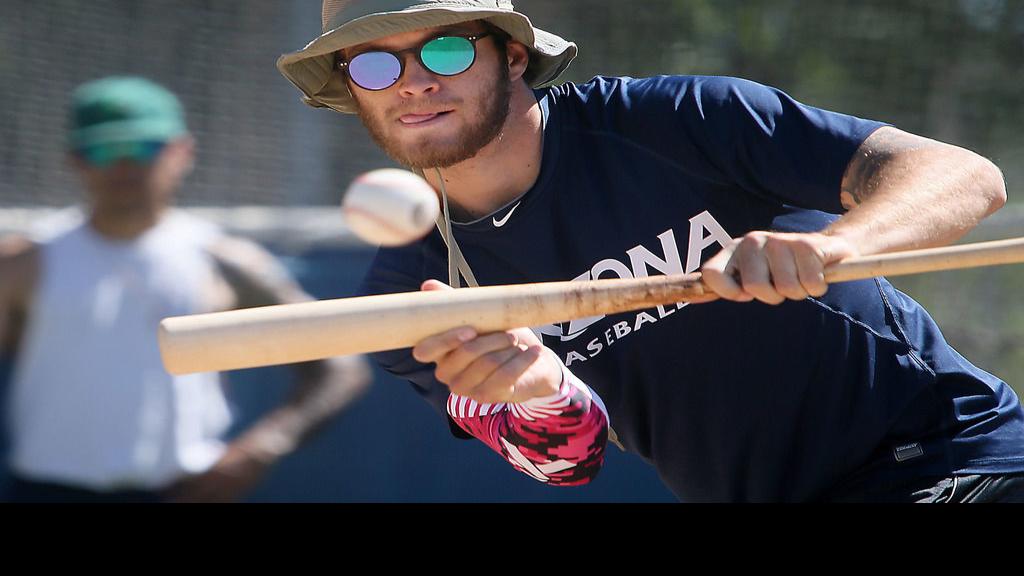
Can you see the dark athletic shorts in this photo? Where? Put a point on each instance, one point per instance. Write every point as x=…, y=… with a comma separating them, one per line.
x=974, y=488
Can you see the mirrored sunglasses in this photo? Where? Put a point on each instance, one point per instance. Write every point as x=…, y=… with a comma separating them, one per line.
x=443, y=55
x=105, y=155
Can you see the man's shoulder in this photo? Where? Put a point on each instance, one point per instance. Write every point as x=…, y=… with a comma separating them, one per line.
x=607, y=89
x=53, y=225
x=16, y=246
x=187, y=225
x=19, y=261
x=17, y=249
x=657, y=106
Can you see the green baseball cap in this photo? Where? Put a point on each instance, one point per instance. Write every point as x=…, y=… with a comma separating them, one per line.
x=124, y=109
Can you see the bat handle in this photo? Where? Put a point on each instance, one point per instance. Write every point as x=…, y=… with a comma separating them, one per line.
x=908, y=262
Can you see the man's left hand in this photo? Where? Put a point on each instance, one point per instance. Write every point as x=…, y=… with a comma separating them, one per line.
x=772, y=267
x=243, y=465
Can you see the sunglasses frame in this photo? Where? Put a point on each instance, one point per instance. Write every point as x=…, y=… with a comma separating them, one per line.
x=153, y=149
x=418, y=51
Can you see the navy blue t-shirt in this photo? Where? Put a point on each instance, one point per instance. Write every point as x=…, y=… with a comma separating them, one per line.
x=729, y=401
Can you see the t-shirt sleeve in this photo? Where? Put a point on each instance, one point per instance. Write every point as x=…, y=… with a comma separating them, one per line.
x=741, y=132
x=394, y=271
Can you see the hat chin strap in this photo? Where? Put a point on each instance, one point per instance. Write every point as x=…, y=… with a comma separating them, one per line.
x=456, y=261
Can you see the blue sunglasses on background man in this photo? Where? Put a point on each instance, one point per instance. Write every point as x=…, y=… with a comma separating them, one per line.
x=107, y=154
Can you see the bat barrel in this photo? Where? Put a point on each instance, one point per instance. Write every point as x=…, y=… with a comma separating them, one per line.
x=313, y=330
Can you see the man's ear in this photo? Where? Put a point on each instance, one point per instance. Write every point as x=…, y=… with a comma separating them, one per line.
x=184, y=150
x=518, y=59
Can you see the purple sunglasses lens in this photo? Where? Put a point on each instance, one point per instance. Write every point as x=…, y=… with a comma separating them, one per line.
x=375, y=70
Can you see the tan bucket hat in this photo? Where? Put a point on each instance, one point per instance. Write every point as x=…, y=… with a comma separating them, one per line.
x=350, y=22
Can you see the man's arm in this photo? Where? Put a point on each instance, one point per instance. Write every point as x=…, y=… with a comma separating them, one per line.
x=559, y=440
x=905, y=192
x=901, y=191
x=19, y=263
x=514, y=394
x=322, y=388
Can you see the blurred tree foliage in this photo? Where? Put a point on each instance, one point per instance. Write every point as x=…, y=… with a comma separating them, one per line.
x=948, y=69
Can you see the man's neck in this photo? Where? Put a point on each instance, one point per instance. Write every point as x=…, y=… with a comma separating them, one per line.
x=120, y=227
x=503, y=170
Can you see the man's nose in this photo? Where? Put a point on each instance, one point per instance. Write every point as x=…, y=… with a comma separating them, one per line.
x=126, y=168
x=417, y=80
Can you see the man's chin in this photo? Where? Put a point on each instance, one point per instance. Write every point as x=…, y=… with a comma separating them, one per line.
x=439, y=146
x=429, y=153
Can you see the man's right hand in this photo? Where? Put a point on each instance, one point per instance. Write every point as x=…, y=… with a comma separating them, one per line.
x=19, y=275
x=501, y=367
x=773, y=267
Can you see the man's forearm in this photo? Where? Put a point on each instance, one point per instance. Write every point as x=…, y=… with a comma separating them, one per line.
x=901, y=191
x=905, y=192
x=322, y=390
x=559, y=440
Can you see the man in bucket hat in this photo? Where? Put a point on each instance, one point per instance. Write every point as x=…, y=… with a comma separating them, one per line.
x=94, y=417
x=786, y=389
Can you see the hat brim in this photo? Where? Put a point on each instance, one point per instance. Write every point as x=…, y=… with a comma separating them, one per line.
x=141, y=130
x=312, y=69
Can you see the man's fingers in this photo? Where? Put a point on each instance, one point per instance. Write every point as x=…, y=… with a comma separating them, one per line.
x=773, y=267
x=465, y=382
x=754, y=270
x=432, y=285
x=813, y=252
x=719, y=274
x=459, y=359
x=433, y=348
x=811, y=270
x=784, y=273
x=506, y=384
x=529, y=388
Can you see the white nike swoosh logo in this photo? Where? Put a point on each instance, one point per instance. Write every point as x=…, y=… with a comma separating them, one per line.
x=500, y=223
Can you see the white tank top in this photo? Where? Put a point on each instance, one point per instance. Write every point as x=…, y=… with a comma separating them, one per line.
x=91, y=404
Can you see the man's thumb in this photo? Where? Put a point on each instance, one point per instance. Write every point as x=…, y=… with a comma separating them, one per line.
x=431, y=285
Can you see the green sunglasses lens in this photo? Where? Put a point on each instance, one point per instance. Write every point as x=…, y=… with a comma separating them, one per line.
x=449, y=55
x=105, y=155
x=98, y=156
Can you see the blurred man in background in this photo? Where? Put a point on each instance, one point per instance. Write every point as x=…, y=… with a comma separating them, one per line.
x=93, y=415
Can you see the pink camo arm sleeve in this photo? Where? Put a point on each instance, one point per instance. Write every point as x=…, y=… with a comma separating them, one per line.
x=559, y=440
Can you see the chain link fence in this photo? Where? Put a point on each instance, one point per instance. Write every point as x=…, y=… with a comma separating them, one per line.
x=949, y=69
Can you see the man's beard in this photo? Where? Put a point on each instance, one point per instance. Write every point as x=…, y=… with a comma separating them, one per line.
x=480, y=132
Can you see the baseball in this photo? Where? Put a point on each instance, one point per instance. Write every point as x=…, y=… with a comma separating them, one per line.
x=390, y=207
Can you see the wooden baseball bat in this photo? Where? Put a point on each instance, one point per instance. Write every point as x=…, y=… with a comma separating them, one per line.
x=290, y=333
